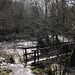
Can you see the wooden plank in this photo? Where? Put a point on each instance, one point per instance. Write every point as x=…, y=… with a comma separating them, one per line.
x=47, y=46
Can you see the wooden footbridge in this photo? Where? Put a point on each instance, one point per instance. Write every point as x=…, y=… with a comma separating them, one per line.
x=38, y=52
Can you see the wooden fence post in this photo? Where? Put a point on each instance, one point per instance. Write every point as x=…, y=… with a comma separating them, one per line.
x=38, y=56
x=34, y=57
x=60, y=66
x=53, y=39
x=26, y=57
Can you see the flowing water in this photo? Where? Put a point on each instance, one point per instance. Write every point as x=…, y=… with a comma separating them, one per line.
x=12, y=48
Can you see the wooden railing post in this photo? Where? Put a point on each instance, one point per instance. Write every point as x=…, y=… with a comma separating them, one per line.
x=53, y=39
x=26, y=60
x=34, y=57
x=60, y=66
x=38, y=56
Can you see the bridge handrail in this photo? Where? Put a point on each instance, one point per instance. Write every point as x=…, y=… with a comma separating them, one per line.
x=46, y=47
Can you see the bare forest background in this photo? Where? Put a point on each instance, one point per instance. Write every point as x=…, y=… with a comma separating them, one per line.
x=34, y=19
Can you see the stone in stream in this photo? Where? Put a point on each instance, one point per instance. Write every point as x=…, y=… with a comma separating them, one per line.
x=4, y=63
x=2, y=59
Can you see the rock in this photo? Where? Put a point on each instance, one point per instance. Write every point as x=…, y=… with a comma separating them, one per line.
x=1, y=64
x=4, y=63
x=2, y=59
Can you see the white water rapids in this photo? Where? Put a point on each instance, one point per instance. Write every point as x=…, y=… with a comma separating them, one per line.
x=11, y=48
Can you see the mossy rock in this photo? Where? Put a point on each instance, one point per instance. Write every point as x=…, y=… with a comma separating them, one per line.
x=6, y=73
x=41, y=70
x=35, y=71
x=7, y=70
x=32, y=68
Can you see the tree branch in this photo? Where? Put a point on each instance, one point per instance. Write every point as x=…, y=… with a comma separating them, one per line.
x=3, y=4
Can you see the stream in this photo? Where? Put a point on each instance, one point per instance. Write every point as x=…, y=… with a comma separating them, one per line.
x=12, y=48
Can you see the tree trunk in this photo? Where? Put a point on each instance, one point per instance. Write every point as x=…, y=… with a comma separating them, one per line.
x=72, y=58
x=72, y=61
